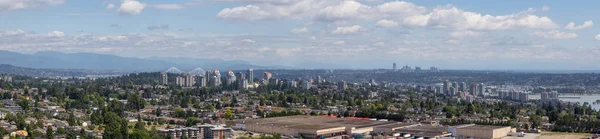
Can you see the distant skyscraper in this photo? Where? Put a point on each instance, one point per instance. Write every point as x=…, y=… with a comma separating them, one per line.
x=164, y=78
x=202, y=81
x=243, y=84
x=305, y=85
x=230, y=77
x=213, y=81
x=250, y=76
x=292, y=84
x=394, y=67
x=481, y=89
x=267, y=76
x=190, y=80
x=455, y=86
x=462, y=87
x=417, y=69
x=342, y=85
x=319, y=80
x=473, y=89
x=433, y=69
x=240, y=76
x=217, y=75
x=446, y=87
x=180, y=81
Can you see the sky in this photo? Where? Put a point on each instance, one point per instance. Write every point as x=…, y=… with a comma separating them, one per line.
x=457, y=34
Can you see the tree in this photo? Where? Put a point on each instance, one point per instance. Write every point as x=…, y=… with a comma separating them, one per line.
x=71, y=119
x=49, y=133
x=228, y=114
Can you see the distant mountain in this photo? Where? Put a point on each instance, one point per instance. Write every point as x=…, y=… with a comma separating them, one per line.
x=93, y=61
x=5, y=68
x=207, y=64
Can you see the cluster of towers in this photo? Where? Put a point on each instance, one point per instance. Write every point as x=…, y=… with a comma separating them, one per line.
x=212, y=78
x=455, y=88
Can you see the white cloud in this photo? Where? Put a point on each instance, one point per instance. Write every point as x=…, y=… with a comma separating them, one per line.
x=299, y=30
x=597, y=37
x=555, y=34
x=346, y=10
x=339, y=42
x=379, y=44
x=249, y=12
x=56, y=34
x=586, y=24
x=386, y=23
x=277, y=2
x=454, y=18
x=453, y=42
x=167, y=6
x=131, y=7
x=111, y=38
x=248, y=41
x=10, y=5
x=12, y=33
x=347, y=30
x=313, y=38
x=400, y=8
x=464, y=33
x=110, y=6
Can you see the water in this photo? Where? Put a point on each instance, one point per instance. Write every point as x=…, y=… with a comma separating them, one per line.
x=590, y=99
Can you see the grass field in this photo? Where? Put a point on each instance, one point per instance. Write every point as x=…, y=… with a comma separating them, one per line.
x=557, y=135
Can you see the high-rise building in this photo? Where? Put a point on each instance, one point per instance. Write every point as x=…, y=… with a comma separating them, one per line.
x=481, y=89
x=462, y=87
x=452, y=91
x=394, y=67
x=213, y=81
x=455, y=85
x=523, y=97
x=243, y=84
x=433, y=69
x=240, y=76
x=250, y=76
x=342, y=85
x=446, y=87
x=164, y=78
x=292, y=84
x=319, y=80
x=418, y=69
x=473, y=89
x=305, y=85
x=180, y=81
x=267, y=76
x=202, y=81
x=190, y=80
x=217, y=79
x=230, y=77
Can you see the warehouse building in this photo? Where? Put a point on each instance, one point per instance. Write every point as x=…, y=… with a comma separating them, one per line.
x=479, y=131
x=313, y=126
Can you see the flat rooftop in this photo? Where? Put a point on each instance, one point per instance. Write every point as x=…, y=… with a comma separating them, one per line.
x=482, y=127
x=317, y=122
x=402, y=125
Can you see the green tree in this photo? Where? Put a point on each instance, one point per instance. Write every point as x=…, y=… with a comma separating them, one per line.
x=49, y=133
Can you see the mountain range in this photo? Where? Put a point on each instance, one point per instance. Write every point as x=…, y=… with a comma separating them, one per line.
x=93, y=61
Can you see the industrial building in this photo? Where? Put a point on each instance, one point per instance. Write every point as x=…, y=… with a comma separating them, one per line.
x=479, y=131
x=199, y=132
x=315, y=126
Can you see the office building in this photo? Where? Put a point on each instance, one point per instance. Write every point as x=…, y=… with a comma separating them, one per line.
x=455, y=85
x=342, y=85
x=251, y=76
x=267, y=76
x=306, y=85
x=452, y=91
x=243, y=84
x=462, y=87
x=446, y=87
x=230, y=77
x=481, y=89
x=394, y=67
x=164, y=80
x=292, y=84
x=473, y=90
x=433, y=69
x=240, y=76
x=418, y=69
x=319, y=80
x=202, y=81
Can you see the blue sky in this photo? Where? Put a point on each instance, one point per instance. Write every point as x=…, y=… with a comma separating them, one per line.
x=464, y=34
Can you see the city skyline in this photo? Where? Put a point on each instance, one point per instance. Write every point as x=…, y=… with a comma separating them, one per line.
x=353, y=34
